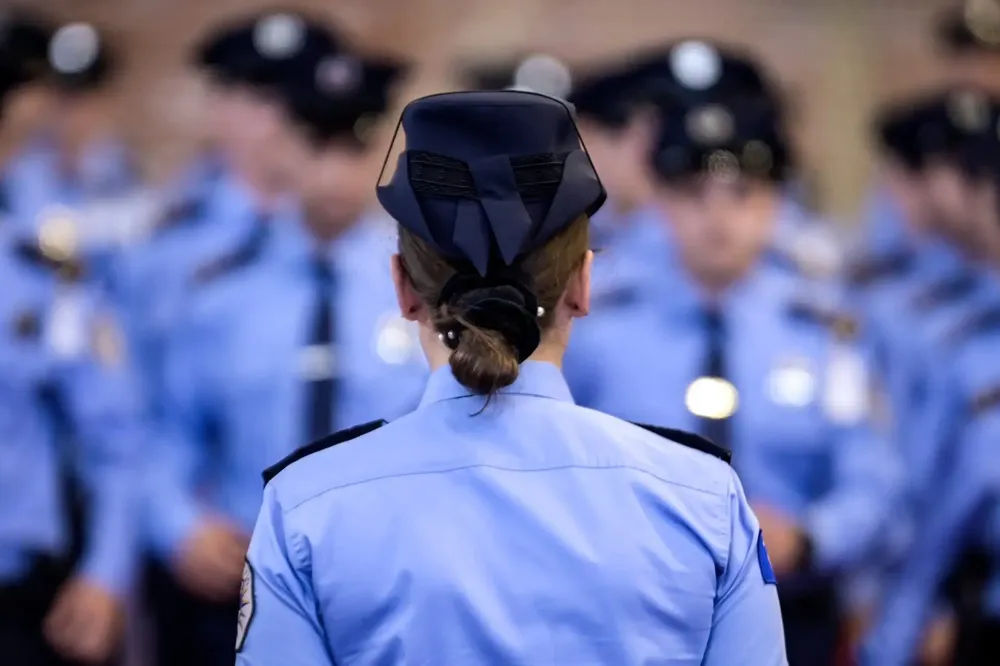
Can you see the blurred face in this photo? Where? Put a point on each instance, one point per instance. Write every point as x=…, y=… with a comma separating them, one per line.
x=621, y=157
x=29, y=108
x=722, y=225
x=984, y=210
x=337, y=181
x=255, y=135
x=979, y=70
x=950, y=199
x=907, y=189
x=79, y=115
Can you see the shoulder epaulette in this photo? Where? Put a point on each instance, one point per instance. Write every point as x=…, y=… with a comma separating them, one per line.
x=867, y=272
x=69, y=270
x=982, y=321
x=338, y=437
x=690, y=440
x=843, y=325
x=244, y=255
x=616, y=297
x=946, y=291
x=182, y=211
x=986, y=400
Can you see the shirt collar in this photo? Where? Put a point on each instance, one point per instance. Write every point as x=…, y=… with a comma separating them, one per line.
x=537, y=379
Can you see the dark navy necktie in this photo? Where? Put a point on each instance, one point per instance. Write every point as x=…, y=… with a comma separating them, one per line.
x=719, y=429
x=320, y=384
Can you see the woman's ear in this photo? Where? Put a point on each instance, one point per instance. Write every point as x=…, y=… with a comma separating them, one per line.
x=577, y=295
x=411, y=307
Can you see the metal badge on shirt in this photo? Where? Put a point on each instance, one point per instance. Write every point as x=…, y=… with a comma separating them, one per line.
x=712, y=398
x=397, y=341
x=846, y=394
x=792, y=382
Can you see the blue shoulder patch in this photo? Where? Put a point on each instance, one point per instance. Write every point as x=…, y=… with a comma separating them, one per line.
x=765, y=562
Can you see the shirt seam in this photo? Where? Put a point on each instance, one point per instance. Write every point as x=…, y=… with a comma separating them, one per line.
x=502, y=469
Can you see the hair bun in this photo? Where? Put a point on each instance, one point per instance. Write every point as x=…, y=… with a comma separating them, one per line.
x=502, y=305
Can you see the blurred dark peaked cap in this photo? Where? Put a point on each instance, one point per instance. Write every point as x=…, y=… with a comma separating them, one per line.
x=539, y=73
x=486, y=177
x=961, y=125
x=742, y=137
x=972, y=27
x=264, y=50
x=24, y=45
x=342, y=94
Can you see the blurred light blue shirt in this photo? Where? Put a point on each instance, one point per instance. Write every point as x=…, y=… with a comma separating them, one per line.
x=54, y=340
x=802, y=436
x=236, y=372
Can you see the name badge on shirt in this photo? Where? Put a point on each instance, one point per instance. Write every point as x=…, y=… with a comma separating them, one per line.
x=846, y=395
x=67, y=332
x=246, y=605
x=792, y=382
x=317, y=363
x=397, y=340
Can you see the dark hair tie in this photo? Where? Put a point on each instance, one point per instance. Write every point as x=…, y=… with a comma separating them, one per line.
x=500, y=304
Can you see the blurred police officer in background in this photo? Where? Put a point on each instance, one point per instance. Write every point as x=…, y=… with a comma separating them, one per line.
x=753, y=363
x=302, y=287
x=952, y=559
x=69, y=476
x=76, y=158
x=500, y=523
x=225, y=200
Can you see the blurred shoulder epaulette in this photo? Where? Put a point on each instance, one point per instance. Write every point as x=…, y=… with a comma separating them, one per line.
x=986, y=400
x=615, y=297
x=180, y=212
x=946, y=291
x=984, y=320
x=230, y=262
x=868, y=271
x=690, y=440
x=843, y=325
x=68, y=270
x=333, y=439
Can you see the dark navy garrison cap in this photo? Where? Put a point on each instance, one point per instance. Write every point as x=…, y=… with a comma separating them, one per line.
x=972, y=27
x=342, y=94
x=487, y=177
x=80, y=58
x=264, y=51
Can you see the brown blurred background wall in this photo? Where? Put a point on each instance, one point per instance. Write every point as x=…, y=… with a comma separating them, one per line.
x=837, y=58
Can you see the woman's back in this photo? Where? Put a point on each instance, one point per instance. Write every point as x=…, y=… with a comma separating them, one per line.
x=534, y=532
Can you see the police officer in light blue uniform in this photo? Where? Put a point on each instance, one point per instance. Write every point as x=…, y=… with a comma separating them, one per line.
x=71, y=434
x=306, y=289
x=732, y=344
x=500, y=523
x=76, y=161
x=245, y=63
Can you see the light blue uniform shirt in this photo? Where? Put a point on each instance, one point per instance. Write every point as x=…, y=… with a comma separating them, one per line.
x=965, y=502
x=801, y=435
x=236, y=374
x=48, y=339
x=534, y=532
x=155, y=279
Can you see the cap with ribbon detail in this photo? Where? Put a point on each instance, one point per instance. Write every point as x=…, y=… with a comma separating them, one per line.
x=486, y=177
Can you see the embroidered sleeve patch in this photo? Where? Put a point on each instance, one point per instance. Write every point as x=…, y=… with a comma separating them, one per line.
x=246, y=605
x=765, y=562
